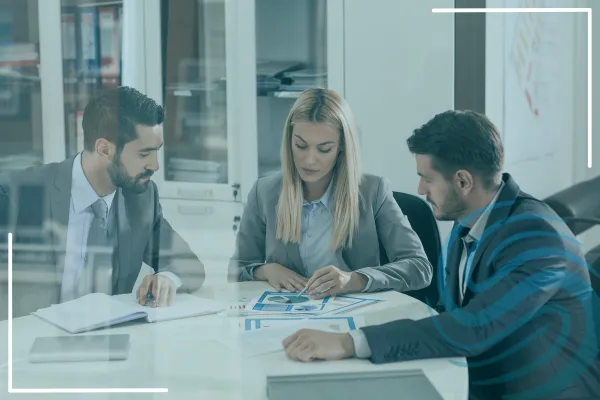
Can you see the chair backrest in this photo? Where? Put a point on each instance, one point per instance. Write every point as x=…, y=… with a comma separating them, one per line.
x=577, y=201
x=424, y=224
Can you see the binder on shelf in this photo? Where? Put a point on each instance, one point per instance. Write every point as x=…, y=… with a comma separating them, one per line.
x=71, y=124
x=109, y=45
x=69, y=44
x=89, y=45
x=79, y=131
x=120, y=35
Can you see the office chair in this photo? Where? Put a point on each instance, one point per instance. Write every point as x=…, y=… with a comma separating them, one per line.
x=424, y=224
x=579, y=207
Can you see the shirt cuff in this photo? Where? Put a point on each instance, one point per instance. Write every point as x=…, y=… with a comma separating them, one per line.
x=361, y=345
x=369, y=281
x=172, y=277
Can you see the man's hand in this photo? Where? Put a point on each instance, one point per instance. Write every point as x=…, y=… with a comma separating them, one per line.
x=331, y=280
x=308, y=345
x=280, y=277
x=163, y=290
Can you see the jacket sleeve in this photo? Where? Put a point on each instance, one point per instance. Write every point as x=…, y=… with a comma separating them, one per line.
x=529, y=272
x=250, y=241
x=167, y=251
x=409, y=268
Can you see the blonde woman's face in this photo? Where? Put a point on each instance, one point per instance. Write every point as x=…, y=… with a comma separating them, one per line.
x=315, y=148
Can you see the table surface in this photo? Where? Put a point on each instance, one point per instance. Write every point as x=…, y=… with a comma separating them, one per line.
x=195, y=357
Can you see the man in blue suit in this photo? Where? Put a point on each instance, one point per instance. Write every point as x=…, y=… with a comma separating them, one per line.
x=516, y=289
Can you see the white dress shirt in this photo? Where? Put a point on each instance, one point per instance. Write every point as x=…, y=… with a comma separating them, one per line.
x=80, y=220
x=361, y=345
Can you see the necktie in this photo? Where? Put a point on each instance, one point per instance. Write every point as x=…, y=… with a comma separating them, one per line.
x=97, y=270
x=454, y=290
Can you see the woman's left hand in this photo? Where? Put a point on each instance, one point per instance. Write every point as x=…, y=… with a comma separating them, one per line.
x=331, y=280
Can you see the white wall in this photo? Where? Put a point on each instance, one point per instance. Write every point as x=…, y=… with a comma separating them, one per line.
x=548, y=174
x=399, y=72
x=592, y=236
x=534, y=175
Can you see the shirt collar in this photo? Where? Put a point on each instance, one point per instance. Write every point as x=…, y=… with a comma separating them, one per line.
x=476, y=231
x=82, y=193
x=326, y=199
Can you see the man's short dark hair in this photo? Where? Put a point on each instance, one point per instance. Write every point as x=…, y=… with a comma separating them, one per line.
x=114, y=113
x=461, y=140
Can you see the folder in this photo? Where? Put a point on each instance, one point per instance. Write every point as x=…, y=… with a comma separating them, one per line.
x=69, y=44
x=89, y=45
x=109, y=45
x=99, y=310
x=79, y=131
x=71, y=128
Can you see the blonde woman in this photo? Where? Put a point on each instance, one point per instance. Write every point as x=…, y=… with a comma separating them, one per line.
x=319, y=223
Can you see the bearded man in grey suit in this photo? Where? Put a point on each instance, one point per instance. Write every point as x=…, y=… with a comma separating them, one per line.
x=107, y=207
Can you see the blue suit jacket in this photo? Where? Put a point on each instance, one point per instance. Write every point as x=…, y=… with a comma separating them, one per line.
x=525, y=323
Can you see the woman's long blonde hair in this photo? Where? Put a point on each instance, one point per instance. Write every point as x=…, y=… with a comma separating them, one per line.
x=328, y=107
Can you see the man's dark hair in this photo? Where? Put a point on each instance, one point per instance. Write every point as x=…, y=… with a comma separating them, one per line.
x=114, y=113
x=461, y=140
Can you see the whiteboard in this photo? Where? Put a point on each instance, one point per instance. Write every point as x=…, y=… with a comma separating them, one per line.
x=534, y=53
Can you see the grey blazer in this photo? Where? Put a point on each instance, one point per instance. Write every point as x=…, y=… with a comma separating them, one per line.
x=143, y=235
x=381, y=220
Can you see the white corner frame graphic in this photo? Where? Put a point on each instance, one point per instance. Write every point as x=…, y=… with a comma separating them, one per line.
x=588, y=11
x=10, y=355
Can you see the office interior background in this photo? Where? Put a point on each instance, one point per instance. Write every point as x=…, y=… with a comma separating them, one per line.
x=228, y=71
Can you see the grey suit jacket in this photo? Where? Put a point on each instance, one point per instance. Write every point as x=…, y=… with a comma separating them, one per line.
x=143, y=235
x=525, y=323
x=381, y=220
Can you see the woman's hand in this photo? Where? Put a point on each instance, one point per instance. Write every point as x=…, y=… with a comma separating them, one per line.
x=280, y=277
x=331, y=280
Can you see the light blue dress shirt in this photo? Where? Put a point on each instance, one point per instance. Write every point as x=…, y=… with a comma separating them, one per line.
x=80, y=220
x=317, y=231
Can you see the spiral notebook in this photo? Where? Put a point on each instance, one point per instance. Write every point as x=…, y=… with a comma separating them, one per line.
x=99, y=310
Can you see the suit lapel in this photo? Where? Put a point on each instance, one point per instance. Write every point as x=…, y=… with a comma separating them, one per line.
x=501, y=211
x=122, y=245
x=60, y=200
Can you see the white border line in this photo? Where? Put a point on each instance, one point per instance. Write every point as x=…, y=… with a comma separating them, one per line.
x=10, y=355
x=546, y=10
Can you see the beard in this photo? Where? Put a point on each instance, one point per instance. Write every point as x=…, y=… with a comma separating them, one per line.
x=452, y=209
x=121, y=179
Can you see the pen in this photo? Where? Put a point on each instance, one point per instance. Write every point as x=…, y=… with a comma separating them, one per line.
x=150, y=298
x=303, y=290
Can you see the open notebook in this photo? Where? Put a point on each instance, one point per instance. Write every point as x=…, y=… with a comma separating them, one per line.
x=98, y=310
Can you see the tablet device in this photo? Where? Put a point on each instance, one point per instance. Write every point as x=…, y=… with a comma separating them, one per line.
x=406, y=384
x=79, y=348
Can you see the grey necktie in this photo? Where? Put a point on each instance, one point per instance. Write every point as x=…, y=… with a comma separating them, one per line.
x=97, y=270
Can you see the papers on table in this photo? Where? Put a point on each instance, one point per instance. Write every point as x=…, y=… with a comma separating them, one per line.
x=265, y=335
x=289, y=303
x=330, y=324
x=98, y=310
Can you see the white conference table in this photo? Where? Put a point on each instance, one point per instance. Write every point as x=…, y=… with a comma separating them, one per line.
x=193, y=358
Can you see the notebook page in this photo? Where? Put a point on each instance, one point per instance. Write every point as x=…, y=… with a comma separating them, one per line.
x=184, y=306
x=88, y=312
